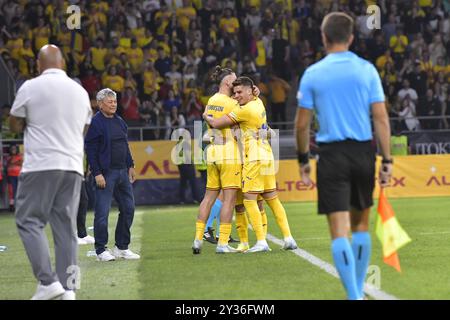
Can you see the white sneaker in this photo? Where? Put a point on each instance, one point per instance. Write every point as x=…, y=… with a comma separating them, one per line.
x=226, y=249
x=197, y=246
x=125, y=254
x=68, y=295
x=105, y=256
x=289, y=244
x=260, y=246
x=50, y=292
x=86, y=240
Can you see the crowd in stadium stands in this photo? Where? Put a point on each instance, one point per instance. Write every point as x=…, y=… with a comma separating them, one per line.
x=158, y=55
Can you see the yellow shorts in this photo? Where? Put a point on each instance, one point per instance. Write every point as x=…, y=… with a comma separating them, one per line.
x=223, y=176
x=240, y=198
x=258, y=177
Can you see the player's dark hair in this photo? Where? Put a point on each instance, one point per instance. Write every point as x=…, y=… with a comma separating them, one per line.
x=337, y=27
x=220, y=73
x=243, y=81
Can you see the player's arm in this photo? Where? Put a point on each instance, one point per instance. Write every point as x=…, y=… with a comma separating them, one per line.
x=302, y=124
x=305, y=100
x=383, y=133
x=381, y=126
x=219, y=123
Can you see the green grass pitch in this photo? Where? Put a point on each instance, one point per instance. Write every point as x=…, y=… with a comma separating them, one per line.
x=168, y=270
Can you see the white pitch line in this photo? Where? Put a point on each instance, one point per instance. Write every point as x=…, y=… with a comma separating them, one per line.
x=431, y=233
x=369, y=289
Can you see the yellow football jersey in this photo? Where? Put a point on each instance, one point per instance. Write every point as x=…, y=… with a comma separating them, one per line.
x=219, y=105
x=251, y=118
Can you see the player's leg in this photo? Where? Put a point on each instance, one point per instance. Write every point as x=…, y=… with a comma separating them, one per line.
x=212, y=190
x=208, y=234
x=361, y=244
x=226, y=217
x=260, y=200
x=339, y=224
x=362, y=186
x=241, y=222
x=230, y=179
x=333, y=199
x=271, y=196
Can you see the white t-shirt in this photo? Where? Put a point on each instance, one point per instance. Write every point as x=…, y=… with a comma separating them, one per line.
x=56, y=110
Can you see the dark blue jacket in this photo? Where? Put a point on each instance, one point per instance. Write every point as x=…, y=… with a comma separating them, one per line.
x=98, y=144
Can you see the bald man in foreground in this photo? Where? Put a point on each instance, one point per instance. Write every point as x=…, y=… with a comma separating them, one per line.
x=53, y=111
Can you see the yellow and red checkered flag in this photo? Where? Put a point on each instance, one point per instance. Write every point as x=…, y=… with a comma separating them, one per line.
x=389, y=232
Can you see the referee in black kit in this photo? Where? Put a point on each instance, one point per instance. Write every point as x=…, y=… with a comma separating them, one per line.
x=344, y=90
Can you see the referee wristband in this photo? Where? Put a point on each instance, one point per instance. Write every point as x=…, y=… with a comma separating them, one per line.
x=387, y=161
x=303, y=158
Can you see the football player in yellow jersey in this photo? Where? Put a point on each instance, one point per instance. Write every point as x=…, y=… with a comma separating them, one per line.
x=258, y=170
x=223, y=164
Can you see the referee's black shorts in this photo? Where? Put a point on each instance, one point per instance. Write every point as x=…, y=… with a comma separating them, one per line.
x=345, y=176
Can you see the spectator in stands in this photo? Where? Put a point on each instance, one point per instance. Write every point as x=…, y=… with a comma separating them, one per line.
x=163, y=63
x=398, y=44
x=13, y=167
x=429, y=106
x=280, y=58
x=130, y=104
x=150, y=113
x=437, y=49
x=408, y=91
x=112, y=165
x=194, y=108
x=418, y=79
x=279, y=90
x=90, y=81
x=168, y=107
x=408, y=113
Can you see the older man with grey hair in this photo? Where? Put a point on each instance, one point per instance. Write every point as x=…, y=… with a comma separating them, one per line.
x=111, y=164
x=53, y=110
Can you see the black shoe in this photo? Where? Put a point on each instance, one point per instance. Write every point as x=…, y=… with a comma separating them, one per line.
x=230, y=240
x=209, y=236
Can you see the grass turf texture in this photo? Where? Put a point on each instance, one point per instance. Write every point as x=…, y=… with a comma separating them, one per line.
x=168, y=270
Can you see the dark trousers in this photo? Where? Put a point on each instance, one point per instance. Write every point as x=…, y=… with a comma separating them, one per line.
x=279, y=113
x=82, y=211
x=187, y=175
x=14, y=181
x=118, y=186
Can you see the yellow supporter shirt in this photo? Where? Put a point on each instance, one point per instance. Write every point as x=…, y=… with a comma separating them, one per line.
x=98, y=58
x=261, y=54
x=41, y=36
x=24, y=55
x=14, y=47
x=150, y=82
x=251, y=118
x=101, y=6
x=114, y=82
x=64, y=38
x=184, y=16
x=219, y=105
x=135, y=57
x=398, y=44
x=138, y=33
x=230, y=25
x=425, y=3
